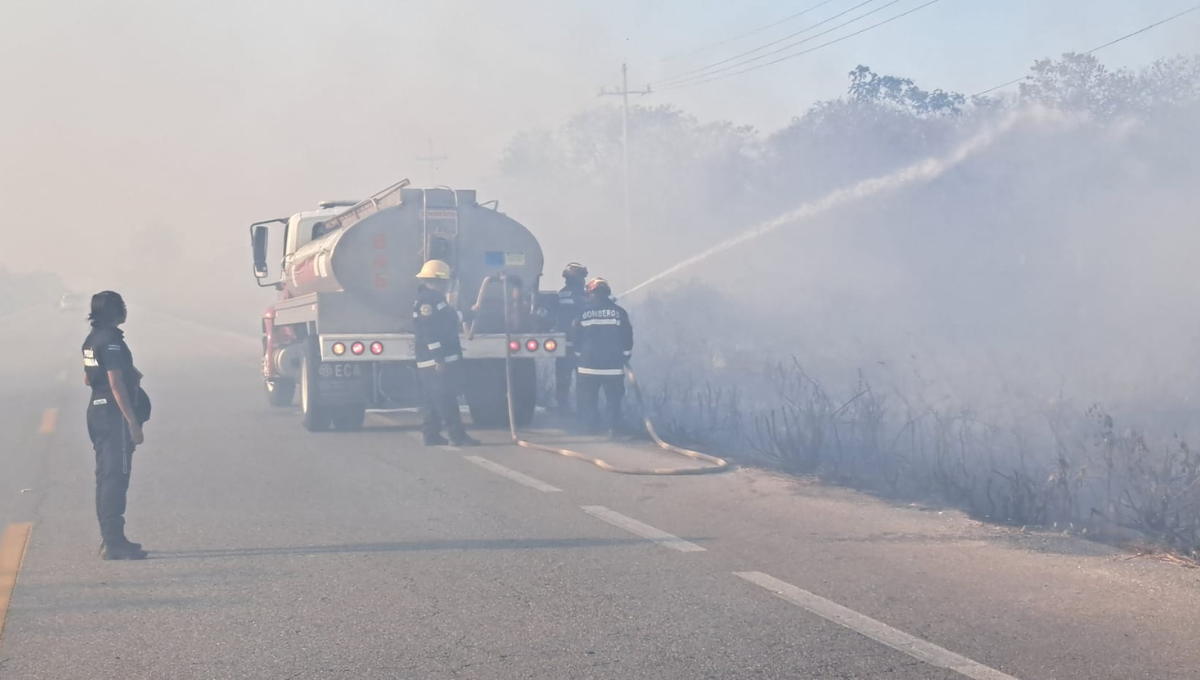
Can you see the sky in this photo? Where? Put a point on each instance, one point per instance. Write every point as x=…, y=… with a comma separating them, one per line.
x=193, y=118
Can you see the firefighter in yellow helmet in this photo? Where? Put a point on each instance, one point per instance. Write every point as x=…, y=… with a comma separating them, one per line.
x=439, y=357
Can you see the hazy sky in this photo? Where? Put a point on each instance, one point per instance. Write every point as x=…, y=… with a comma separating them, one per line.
x=201, y=116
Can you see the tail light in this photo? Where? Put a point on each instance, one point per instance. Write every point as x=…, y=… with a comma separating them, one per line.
x=376, y=348
x=550, y=345
x=514, y=346
x=531, y=345
x=357, y=348
x=339, y=348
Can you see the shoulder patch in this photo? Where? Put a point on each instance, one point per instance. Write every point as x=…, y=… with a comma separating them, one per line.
x=426, y=310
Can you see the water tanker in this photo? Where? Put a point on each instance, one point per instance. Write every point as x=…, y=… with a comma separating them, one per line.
x=341, y=331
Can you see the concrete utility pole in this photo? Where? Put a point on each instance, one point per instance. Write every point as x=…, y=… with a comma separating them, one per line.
x=432, y=159
x=624, y=93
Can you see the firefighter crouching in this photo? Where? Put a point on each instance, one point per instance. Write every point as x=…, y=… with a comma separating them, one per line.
x=571, y=300
x=604, y=340
x=439, y=357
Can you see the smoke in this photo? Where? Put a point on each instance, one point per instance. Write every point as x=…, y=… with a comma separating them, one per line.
x=923, y=171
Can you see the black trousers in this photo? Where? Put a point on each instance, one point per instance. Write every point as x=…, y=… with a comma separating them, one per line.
x=564, y=370
x=439, y=393
x=588, y=391
x=114, y=462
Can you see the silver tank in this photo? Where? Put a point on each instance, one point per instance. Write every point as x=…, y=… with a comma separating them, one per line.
x=374, y=250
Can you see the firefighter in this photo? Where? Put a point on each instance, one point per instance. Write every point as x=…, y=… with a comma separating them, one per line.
x=571, y=300
x=604, y=339
x=439, y=357
x=115, y=415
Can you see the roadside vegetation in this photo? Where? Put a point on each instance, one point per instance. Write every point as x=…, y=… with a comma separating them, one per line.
x=1017, y=337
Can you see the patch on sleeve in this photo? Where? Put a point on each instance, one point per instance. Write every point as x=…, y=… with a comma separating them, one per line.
x=426, y=310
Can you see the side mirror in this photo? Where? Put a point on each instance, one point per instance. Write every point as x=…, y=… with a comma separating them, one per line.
x=258, y=239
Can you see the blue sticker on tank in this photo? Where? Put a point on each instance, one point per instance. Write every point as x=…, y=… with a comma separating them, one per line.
x=493, y=258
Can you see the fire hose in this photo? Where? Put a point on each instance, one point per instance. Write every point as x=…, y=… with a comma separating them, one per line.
x=715, y=464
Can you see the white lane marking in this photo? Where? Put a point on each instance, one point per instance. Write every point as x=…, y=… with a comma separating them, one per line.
x=644, y=530
x=515, y=476
x=880, y=632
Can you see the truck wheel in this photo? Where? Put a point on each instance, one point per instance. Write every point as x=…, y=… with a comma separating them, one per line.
x=316, y=417
x=487, y=396
x=349, y=418
x=280, y=391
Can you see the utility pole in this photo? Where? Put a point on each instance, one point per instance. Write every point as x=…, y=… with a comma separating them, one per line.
x=624, y=93
x=432, y=159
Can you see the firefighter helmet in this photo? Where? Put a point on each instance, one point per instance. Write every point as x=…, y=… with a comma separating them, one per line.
x=434, y=269
x=599, y=287
x=574, y=270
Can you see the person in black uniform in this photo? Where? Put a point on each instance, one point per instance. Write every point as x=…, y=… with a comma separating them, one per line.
x=115, y=415
x=571, y=300
x=439, y=357
x=605, y=342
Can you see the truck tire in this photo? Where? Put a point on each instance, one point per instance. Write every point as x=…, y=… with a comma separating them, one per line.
x=316, y=418
x=487, y=395
x=349, y=418
x=280, y=391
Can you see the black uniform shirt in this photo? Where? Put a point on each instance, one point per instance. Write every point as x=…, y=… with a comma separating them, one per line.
x=105, y=350
x=435, y=325
x=571, y=301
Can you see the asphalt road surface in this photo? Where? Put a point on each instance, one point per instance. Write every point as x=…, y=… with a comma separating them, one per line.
x=281, y=554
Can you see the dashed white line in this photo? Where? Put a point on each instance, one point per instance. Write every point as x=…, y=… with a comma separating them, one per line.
x=880, y=632
x=515, y=476
x=644, y=530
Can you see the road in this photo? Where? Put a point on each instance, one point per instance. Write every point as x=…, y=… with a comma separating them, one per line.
x=281, y=554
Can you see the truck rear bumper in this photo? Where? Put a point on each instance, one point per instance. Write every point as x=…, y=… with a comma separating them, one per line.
x=402, y=346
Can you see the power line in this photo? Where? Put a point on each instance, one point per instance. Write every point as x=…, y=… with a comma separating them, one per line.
x=1106, y=45
x=785, y=48
x=760, y=29
x=804, y=52
x=687, y=75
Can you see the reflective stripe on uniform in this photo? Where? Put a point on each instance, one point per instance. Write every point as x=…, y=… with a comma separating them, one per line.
x=628, y=353
x=441, y=306
x=452, y=358
x=426, y=364
x=99, y=402
x=601, y=371
x=434, y=345
x=600, y=322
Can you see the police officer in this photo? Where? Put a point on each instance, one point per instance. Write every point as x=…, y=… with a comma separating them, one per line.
x=115, y=415
x=605, y=342
x=439, y=357
x=571, y=300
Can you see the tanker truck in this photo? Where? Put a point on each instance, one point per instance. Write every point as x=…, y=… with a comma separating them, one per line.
x=341, y=330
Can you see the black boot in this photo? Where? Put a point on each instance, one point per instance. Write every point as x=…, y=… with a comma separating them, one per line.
x=135, y=546
x=126, y=551
x=435, y=440
x=463, y=439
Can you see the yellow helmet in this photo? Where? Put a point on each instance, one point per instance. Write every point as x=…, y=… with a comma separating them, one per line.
x=434, y=269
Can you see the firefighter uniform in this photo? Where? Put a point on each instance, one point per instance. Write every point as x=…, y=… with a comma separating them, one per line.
x=605, y=343
x=105, y=350
x=571, y=300
x=439, y=365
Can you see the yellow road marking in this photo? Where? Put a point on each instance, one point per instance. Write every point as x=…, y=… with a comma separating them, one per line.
x=49, y=420
x=13, y=546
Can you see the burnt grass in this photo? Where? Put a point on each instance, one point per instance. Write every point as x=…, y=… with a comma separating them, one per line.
x=1057, y=466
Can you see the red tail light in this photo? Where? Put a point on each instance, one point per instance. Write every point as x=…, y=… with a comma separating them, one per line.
x=376, y=348
x=531, y=345
x=550, y=345
x=514, y=346
x=357, y=348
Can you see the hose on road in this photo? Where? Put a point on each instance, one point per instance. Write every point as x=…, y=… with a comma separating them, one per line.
x=715, y=464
